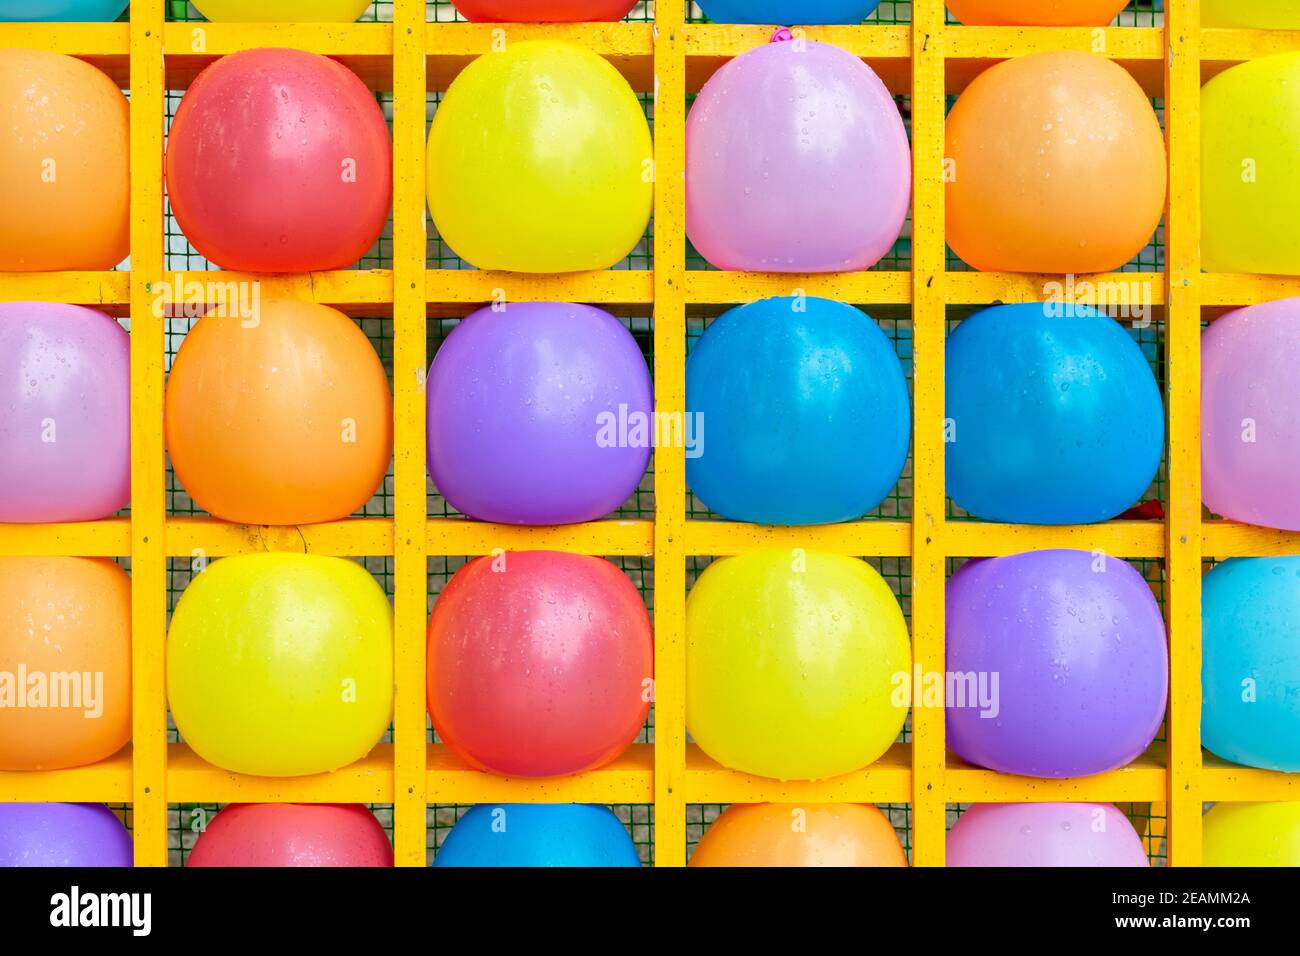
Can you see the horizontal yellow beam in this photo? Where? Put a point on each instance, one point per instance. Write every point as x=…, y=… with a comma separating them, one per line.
x=888, y=780
x=352, y=537
x=1234, y=46
x=475, y=39
x=985, y=288
x=108, y=781
x=1230, y=289
x=76, y=39
x=459, y=536
x=859, y=288
x=72, y=288
x=328, y=39
x=997, y=43
x=1227, y=539
x=1125, y=539
x=874, y=41
x=191, y=779
x=629, y=779
x=474, y=287
x=110, y=538
x=862, y=538
x=1142, y=781
x=1220, y=780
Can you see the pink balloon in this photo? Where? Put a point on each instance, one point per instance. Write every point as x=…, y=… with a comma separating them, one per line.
x=65, y=402
x=1044, y=834
x=796, y=161
x=1250, y=415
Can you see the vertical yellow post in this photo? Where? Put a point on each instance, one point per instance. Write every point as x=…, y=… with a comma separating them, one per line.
x=1183, y=332
x=148, y=463
x=410, y=588
x=928, y=493
x=670, y=463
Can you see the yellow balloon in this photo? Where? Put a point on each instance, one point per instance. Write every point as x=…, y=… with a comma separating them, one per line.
x=539, y=161
x=1251, y=834
x=793, y=663
x=1250, y=180
x=282, y=11
x=1251, y=14
x=281, y=664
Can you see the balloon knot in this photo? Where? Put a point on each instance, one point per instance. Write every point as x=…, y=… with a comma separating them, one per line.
x=782, y=35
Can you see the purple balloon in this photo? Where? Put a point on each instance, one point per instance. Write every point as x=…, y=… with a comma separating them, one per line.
x=65, y=401
x=62, y=834
x=796, y=161
x=1044, y=834
x=1075, y=656
x=534, y=413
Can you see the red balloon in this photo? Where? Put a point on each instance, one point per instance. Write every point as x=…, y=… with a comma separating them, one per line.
x=543, y=11
x=292, y=834
x=280, y=161
x=539, y=663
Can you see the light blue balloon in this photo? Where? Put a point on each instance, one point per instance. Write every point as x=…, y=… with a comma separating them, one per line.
x=787, y=12
x=1052, y=418
x=72, y=11
x=804, y=412
x=530, y=834
x=1250, y=662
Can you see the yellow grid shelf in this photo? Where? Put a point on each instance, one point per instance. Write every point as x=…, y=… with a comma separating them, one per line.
x=928, y=60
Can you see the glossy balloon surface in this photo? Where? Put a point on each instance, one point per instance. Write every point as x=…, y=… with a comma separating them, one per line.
x=533, y=834
x=1251, y=834
x=62, y=835
x=781, y=834
x=292, y=835
x=1045, y=834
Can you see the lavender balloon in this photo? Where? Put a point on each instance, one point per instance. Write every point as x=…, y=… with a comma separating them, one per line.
x=1044, y=834
x=539, y=414
x=1072, y=646
x=65, y=395
x=1250, y=415
x=62, y=834
x=796, y=161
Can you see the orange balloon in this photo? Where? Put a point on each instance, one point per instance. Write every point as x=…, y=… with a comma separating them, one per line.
x=65, y=662
x=1036, y=13
x=281, y=418
x=1056, y=165
x=64, y=172
x=791, y=834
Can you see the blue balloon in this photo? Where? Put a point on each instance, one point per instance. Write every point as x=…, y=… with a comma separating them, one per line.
x=1052, y=419
x=78, y=11
x=532, y=834
x=1250, y=663
x=788, y=12
x=804, y=413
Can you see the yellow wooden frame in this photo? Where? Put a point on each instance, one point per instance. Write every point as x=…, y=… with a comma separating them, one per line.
x=672, y=57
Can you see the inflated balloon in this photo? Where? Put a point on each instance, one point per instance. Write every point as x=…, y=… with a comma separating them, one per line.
x=280, y=161
x=540, y=160
x=539, y=663
x=67, y=11
x=796, y=161
x=1251, y=834
x=1251, y=14
x=539, y=413
x=62, y=834
x=788, y=12
x=65, y=413
x=806, y=410
x=281, y=665
x=65, y=662
x=64, y=170
x=1250, y=133
x=793, y=664
x=1057, y=165
x=1040, y=13
x=282, y=11
x=287, y=420
x=1044, y=834
x=532, y=834
x=1250, y=664
x=1065, y=663
x=292, y=834
x=1250, y=415
x=1055, y=415
x=543, y=11
x=791, y=834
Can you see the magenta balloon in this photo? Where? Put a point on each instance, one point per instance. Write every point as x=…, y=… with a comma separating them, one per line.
x=533, y=414
x=1070, y=648
x=1044, y=834
x=796, y=161
x=1250, y=415
x=65, y=397
x=62, y=834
